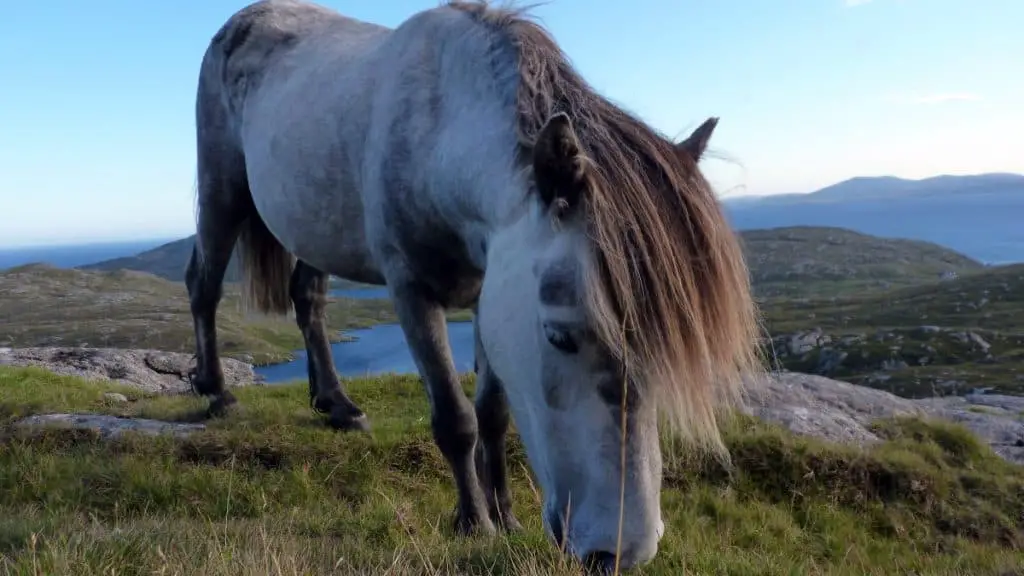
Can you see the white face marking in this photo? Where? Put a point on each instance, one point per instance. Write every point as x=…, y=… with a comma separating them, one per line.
x=569, y=427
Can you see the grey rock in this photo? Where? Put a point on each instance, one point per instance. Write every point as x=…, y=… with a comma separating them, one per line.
x=805, y=404
x=116, y=397
x=842, y=412
x=151, y=371
x=806, y=341
x=979, y=341
x=110, y=426
x=972, y=338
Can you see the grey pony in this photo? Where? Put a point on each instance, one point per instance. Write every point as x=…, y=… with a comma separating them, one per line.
x=459, y=160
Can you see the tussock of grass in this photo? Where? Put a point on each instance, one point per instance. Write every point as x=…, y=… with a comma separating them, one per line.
x=271, y=491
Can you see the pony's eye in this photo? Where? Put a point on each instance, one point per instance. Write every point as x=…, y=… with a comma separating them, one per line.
x=561, y=339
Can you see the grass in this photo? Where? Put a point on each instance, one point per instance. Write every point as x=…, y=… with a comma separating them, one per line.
x=46, y=306
x=271, y=491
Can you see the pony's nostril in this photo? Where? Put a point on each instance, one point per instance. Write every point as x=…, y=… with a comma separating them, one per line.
x=599, y=562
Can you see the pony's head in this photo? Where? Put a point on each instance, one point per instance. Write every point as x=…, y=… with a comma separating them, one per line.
x=621, y=294
x=617, y=300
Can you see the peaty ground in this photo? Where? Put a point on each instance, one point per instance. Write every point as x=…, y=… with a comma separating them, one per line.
x=271, y=491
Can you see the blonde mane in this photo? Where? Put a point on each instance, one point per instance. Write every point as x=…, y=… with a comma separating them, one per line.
x=671, y=295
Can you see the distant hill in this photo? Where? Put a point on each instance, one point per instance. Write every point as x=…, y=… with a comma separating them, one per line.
x=166, y=261
x=977, y=215
x=818, y=261
x=169, y=261
x=891, y=188
x=71, y=255
x=785, y=261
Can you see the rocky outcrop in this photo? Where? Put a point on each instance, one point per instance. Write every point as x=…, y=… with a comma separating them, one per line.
x=110, y=426
x=896, y=356
x=842, y=412
x=805, y=404
x=148, y=370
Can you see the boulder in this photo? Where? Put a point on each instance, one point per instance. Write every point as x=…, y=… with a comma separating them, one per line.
x=148, y=370
x=110, y=426
x=842, y=412
x=806, y=404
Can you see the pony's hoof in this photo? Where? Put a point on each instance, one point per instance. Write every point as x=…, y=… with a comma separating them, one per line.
x=221, y=405
x=346, y=421
x=507, y=523
x=473, y=524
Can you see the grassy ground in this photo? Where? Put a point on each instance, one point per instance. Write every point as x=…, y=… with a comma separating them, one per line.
x=270, y=491
x=46, y=306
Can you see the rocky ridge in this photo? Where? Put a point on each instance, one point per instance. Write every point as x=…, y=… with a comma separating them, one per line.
x=804, y=403
x=150, y=371
x=873, y=358
x=843, y=412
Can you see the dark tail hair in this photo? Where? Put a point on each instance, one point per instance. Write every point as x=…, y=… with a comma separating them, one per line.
x=265, y=268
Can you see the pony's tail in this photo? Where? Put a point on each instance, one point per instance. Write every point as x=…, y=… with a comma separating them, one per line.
x=265, y=268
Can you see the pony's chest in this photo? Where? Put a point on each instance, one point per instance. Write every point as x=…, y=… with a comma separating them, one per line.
x=439, y=260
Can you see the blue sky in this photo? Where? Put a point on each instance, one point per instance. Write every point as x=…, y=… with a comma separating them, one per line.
x=96, y=104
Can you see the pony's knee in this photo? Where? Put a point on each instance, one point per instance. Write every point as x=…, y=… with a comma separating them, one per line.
x=203, y=292
x=455, y=431
x=307, y=289
x=492, y=409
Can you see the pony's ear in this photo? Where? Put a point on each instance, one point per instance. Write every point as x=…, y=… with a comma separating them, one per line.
x=697, y=142
x=557, y=163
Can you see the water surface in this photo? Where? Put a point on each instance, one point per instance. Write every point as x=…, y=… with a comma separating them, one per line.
x=376, y=350
x=374, y=293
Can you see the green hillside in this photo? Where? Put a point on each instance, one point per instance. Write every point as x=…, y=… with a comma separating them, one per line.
x=46, y=306
x=940, y=338
x=816, y=261
x=794, y=261
x=169, y=260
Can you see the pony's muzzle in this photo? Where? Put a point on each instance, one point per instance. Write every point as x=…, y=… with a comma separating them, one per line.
x=599, y=563
x=556, y=527
x=604, y=561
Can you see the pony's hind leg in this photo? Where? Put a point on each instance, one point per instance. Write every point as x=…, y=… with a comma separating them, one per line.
x=308, y=290
x=492, y=415
x=219, y=222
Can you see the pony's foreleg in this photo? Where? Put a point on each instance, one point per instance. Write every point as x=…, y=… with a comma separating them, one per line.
x=204, y=278
x=308, y=291
x=452, y=415
x=492, y=415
